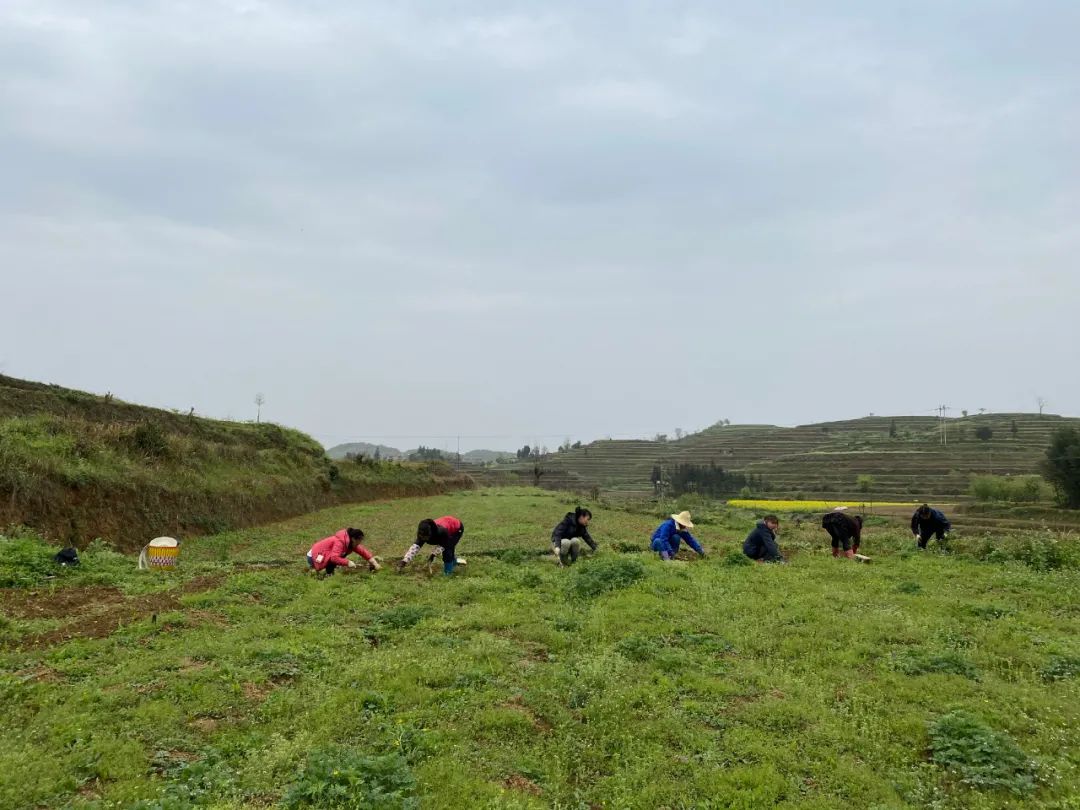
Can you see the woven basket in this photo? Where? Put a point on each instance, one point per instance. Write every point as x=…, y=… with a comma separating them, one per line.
x=161, y=552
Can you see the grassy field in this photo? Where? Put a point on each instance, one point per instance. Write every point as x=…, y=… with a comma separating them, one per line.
x=942, y=680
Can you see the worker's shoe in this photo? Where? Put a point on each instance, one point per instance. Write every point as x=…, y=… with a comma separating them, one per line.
x=850, y=554
x=836, y=552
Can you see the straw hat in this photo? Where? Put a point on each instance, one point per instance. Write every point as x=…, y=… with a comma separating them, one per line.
x=683, y=519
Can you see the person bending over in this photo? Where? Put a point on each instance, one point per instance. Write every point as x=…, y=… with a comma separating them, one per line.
x=927, y=523
x=845, y=531
x=444, y=532
x=330, y=552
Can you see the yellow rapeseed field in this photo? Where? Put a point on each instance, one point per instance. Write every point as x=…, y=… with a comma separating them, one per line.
x=811, y=506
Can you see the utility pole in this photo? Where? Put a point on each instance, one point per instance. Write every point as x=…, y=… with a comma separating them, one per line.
x=941, y=409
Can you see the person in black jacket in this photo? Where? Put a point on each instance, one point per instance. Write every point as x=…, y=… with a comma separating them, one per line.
x=760, y=545
x=927, y=523
x=567, y=536
x=845, y=532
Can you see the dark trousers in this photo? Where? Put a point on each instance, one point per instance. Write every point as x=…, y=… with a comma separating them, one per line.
x=926, y=534
x=449, y=548
x=840, y=538
x=330, y=567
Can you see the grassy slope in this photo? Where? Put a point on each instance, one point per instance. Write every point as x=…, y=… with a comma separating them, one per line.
x=80, y=466
x=825, y=459
x=705, y=684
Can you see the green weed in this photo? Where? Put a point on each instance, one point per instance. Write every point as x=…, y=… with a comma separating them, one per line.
x=979, y=756
x=340, y=779
x=605, y=575
x=1061, y=667
x=924, y=662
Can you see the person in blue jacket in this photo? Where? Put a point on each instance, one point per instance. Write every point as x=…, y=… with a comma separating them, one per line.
x=670, y=533
x=760, y=545
x=927, y=523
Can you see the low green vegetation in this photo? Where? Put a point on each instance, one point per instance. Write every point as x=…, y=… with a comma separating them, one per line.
x=1010, y=489
x=944, y=679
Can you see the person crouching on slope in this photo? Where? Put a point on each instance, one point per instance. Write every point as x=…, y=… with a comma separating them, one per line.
x=666, y=538
x=567, y=536
x=845, y=532
x=445, y=532
x=330, y=552
x=927, y=522
x=760, y=545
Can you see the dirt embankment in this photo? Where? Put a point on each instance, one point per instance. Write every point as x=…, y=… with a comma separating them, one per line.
x=129, y=517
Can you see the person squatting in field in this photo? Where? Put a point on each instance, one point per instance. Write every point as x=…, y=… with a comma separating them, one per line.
x=567, y=536
x=845, y=531
x=927, y=523
x=445, y=532
x=669, y=534
x=330, y=552
x=760, y=545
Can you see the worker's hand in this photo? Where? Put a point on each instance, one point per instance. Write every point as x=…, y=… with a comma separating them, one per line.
x=915, y=535
x=374, y=566
x=400, y=565
x=352, y=563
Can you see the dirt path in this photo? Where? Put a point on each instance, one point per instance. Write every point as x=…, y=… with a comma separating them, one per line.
x=94, y=612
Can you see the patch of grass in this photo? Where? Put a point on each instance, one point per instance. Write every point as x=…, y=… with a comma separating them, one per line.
x=925, y=662
x=979, y=756
x=736, y=558
x=340, y=779
x=1061, y=668
x=605, y=575
x=25, y=562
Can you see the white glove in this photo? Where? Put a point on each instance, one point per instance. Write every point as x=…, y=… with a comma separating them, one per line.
x=352, y=564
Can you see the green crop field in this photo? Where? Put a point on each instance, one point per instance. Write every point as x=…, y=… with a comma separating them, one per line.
x=947, y=679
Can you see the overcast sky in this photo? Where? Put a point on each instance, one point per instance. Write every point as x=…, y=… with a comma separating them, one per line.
x=536, y=220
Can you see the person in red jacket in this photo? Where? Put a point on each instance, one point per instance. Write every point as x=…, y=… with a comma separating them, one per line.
x=445, y=532
x=330, y=552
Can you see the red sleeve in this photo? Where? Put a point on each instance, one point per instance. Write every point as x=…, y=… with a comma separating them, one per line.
x=337, y=552
x=363, y=552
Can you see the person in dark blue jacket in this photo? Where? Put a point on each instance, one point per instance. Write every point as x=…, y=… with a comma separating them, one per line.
x=760, y=545
x=927, y=523
x=668, y=536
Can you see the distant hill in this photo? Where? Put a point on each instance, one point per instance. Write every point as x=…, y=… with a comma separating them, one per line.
x=365, y=449
x=368, y=450
x=903, y=455
x=486, y=456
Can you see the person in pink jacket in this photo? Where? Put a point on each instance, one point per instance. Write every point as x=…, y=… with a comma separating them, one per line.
x=330, y=552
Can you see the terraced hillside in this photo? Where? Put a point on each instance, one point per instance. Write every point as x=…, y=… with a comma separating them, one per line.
x=903, y=455
x=76, y=466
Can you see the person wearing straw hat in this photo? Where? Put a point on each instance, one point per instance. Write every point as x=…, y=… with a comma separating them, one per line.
x=669, y=534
